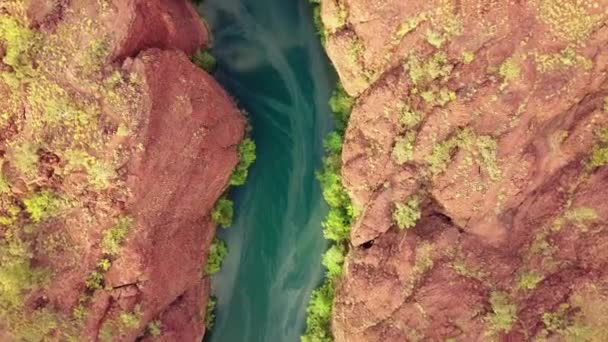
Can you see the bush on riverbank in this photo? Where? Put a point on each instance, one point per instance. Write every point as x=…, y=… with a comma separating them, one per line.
x=337, y=224
x=217, y=252
x=246, y=158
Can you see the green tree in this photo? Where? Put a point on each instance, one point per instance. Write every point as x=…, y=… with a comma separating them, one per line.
x=407, y=214
x=223, y=212
x=205, y=61
x=246, y=158
x=217, y=252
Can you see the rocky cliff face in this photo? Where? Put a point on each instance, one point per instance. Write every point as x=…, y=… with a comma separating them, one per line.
x=114, y=149
x=476, y=152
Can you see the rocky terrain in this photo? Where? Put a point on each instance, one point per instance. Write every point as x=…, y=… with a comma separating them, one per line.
x=114, y=149
x=475, y=157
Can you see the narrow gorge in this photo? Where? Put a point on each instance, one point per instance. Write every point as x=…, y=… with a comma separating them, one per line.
x=305, y=170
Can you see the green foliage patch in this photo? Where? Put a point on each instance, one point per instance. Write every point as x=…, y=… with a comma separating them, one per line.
x=42, y=205
x=529, y=280
x=18, y=40
x=114, y=237
x=205, y=61
x=337, y=224
x=223, y=212
x=217, y=252
x=407, y=214
x=504, y=313
x=246, y=158
x=210, y=313
x=403, y=151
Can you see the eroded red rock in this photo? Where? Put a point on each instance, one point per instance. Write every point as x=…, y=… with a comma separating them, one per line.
x=511, y=100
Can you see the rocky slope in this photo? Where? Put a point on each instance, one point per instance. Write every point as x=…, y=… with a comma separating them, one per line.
x=476, y=154
x=114, y=149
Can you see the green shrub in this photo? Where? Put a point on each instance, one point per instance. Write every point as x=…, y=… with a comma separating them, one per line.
x=333, y=260
x=318, y=22
x=403, y=151
x=435, y=39
x=336, y=225
x=557, y=321
x=130, y=320
x=407, y=214
x=104, y=265
x=509, y=70
x=94, y=281
x=504, y=313
x=210, y=313
x=223, y=212
x=341, y=105
x=205, y=61
x=318, y=321
x=217, y=252
x=42, y=205
x=409, y=118
x=468, y=57
x=599, y=157
x=333, y=143
x=17, y=274
x=246, y=158
x=154, y=328
x=529, y=280
x=114, y=237
x=18, y=41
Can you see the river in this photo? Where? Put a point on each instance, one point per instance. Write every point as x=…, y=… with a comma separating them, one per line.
x=271, y=61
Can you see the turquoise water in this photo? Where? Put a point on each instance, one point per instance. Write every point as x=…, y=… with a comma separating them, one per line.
x=271, y=61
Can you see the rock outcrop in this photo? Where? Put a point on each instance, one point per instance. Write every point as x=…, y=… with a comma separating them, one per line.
x=115, y=148
x=488, y=119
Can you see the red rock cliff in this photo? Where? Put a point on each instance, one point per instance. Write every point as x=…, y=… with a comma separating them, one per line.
x=488, y=119
x=114, y=149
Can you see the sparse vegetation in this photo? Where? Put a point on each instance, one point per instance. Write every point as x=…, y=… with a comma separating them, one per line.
x=130, y=320
x=569, y=19
x=423, y=73
x=482, y=150
x=217, y=252
x=154, y=328
x=509, y=70
x=42, y=205
x=19, y=41
x=403, y=151
x=114, y=237
x=409, y=118
x=223, y=212
x=94, y=281
x=407, y=214
x=468, y=57
x=566, y=58
x=435, y=39
x=599, y=157
x=461, y=267
x=529, y=280
x=410, y=24
x=504, y=313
